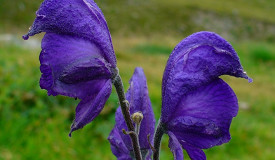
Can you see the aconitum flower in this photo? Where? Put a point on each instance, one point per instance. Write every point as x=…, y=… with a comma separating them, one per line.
x=198, y=106
x=139, y=101
x=77, y=57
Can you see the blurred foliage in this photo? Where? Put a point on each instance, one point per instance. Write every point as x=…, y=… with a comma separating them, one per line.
x=262, y=53
x=242, y=19
x=36, y=126
x=18, y=12
x=231, y=19
x=152, y=49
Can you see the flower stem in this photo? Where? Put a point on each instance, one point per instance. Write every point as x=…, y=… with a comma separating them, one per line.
x=157, y=140
x=126, y=113
x=137, y=129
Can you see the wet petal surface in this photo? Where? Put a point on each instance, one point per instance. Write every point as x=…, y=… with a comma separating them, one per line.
x=71, y=66
x=195, y=62
x=81, y=18
x=203, y=117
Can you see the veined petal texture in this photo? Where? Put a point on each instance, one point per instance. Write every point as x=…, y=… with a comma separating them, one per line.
x=91, y=106
x=193, y=152
x=203, y=116
x=79, y=18
x=71, y=66
x=139, y=101
x=196, y=61
x=198, y=106
x=175, y=146
x=77, y=57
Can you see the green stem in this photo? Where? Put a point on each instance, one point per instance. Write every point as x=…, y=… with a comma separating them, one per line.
x=157, y=140
x=126, y=113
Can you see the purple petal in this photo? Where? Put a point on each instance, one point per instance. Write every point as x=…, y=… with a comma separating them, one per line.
x=175, y=147
x=203, y=116
x=117, y=145
x=139, y=100
x=81, y=18
x=138, y=97
x=194, y=153
x=144, y=146
x=91, y=106
x=71, y=66
x=196, y=61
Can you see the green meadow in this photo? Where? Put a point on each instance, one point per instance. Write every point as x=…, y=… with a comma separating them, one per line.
x=34, y=126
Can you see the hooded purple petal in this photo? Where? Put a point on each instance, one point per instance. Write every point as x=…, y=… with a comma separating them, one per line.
x=74, y=67
x=77, y=57
x=78, y=18
x=71, y=66
x=175, y=147
x=196, y=61
x=203, y=117
x=138, y=97
x=117, y=145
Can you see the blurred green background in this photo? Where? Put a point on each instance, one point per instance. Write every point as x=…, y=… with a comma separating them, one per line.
x=144, y=32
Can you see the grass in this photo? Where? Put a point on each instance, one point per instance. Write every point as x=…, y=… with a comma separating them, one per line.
x=35, y=126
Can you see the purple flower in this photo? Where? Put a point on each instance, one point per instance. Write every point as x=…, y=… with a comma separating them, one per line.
x=198, y=106
x=138, y=98
x=77, y=57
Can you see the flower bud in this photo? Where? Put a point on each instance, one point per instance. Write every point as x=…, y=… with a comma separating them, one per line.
x=137, y=117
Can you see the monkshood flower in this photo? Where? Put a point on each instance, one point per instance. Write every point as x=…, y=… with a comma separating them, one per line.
x=139, y=101
x=77, y=57
x=198, y=106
